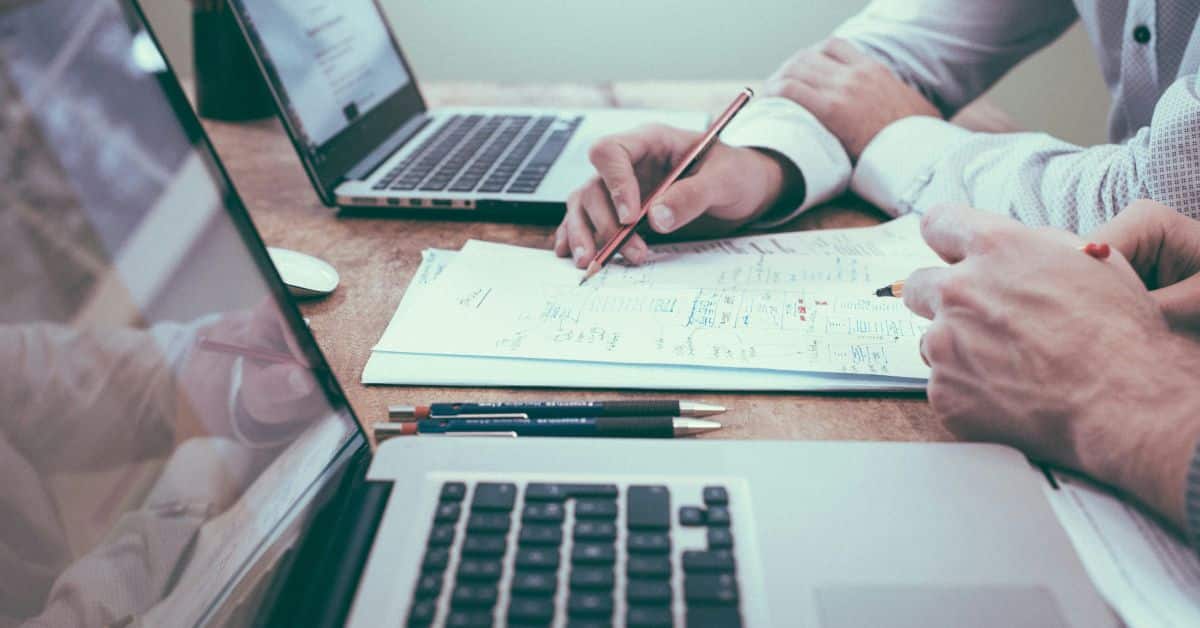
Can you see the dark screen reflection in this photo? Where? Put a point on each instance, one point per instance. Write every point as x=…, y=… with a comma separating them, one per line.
x=158, y=419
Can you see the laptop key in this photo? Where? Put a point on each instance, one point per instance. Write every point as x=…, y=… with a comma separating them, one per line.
x=548, y=512
x=648, y=508
x=648, y=591
x=441, y=535
x=717, y=560
x=593, y=554
x=537, y=558
x=447, y=513
x=709, y=616
x=493, y=496
x=596, y=509
x=592, y=578
x=488, y=522
x=649, y=617
x=531, y=609
x=436, y=559
x=470, y=619
x=588, y=604
x=422, y=613
x=718, y=516
x=540, y=583
x=453, y=492
x=484, y=545
x=716, y=496
x=710, y=588
x=474, y=596
x=648, y=566
x=648, y=543
x=429, y=585
x=719, y=538
x=595, y=531
x=691, y=516
x=480, y=570
x=541, y=535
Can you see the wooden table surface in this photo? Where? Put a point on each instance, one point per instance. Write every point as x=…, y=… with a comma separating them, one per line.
x=377, y=257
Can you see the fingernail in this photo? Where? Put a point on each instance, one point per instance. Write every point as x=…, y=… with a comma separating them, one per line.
x=663, y=217
x=578, y=252
x=623, y=212
x=557, y=240
x=298, y=380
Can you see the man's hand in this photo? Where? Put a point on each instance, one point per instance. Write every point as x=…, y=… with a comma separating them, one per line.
x=1040, y=346
x=1164, y=248
x=853, y=95
x=730, y=188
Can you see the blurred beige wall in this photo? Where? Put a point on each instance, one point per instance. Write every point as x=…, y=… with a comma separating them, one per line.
x=1058, y=90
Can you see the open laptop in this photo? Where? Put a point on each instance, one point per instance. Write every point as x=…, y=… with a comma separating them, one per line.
x=355, y=113
x=177, y=452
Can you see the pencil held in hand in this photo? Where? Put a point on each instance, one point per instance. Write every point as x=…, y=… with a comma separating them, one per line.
x=691, y=159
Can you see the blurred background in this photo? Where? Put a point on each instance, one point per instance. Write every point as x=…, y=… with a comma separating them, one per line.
x=599, y=40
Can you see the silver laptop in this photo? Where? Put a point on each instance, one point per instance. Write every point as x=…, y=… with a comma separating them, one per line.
x=355, y=113
x=177, y=452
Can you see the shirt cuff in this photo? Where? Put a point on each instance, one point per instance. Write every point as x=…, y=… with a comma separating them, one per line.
x=898, y=163
x=782, y=126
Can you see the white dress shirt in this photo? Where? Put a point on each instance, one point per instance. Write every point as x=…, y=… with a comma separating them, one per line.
x=954, y=50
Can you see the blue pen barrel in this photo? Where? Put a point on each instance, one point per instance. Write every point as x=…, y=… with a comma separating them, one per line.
x=610, y=427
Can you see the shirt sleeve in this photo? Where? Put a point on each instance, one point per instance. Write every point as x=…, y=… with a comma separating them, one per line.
x=919, y=162
x=954, y=50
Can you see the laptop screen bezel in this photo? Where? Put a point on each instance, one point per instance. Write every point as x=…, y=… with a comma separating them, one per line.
x=359, y=442
x=340, y=154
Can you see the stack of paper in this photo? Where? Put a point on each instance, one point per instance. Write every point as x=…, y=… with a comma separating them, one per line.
x=789, y=311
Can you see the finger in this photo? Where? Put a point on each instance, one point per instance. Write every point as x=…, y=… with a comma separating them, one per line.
x=811, y=68
x=798, y=92
x=682, y=203
x=1161, y=244
x=843, y=51
x=615, y=158
x=956, y=231
x=603, y=217
x=923, y=292
x=561, y=247
x=580, y=238
x=278, y=382
x=1180, y=303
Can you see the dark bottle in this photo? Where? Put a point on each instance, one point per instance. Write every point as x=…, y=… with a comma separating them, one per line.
x=228, y=83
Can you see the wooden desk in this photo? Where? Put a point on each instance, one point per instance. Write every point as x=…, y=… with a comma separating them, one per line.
x=377, y=257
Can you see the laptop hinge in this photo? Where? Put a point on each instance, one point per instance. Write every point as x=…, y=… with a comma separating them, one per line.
x=364, y=168
x=324, y=574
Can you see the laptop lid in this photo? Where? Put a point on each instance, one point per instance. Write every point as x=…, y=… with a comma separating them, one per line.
x=166, y=415
x=339, y=80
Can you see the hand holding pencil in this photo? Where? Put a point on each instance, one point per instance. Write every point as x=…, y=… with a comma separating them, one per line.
x=733, y=187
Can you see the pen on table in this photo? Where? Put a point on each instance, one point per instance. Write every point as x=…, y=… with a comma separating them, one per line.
x=693, y=157
x=556, y=409
x=1099, y=251
x=602, y=427
x=262, y=355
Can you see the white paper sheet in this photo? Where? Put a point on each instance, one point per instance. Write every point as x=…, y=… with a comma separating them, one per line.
x=747, y=312
x=1148, y=575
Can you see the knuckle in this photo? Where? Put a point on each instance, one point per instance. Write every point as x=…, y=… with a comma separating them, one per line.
x=602, y=151
x=954, y=291
x=938, y=343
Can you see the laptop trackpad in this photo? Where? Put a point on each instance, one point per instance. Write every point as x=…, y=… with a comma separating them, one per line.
x=937, y=607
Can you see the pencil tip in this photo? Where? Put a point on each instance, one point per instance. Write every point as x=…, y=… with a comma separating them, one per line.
x=886, y=291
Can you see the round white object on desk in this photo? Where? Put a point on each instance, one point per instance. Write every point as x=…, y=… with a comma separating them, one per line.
x=304, y=275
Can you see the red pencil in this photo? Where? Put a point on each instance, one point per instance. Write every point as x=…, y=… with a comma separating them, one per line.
x=262, y=355
x=693, y=157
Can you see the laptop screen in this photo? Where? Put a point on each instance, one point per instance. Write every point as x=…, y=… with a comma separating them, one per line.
x=164, y=412
x=337, y=76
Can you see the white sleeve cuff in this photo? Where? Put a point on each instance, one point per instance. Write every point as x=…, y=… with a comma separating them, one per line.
x=898, y=163
x=780, y=125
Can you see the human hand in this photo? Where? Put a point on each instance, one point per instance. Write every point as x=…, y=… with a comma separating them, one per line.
x=1164, y=248
x=1068, y=358
x=733, y=187
x=269, y=394
x=853, y=95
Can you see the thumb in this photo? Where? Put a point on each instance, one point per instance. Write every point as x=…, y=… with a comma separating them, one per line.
x=1180, y=303
x=682, y=203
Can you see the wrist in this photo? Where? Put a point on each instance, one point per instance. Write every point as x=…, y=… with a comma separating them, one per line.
x=1145, y=444
x=783, y=189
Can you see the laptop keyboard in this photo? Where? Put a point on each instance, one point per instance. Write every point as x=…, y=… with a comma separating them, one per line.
x=582, y=554
x=488, y=154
